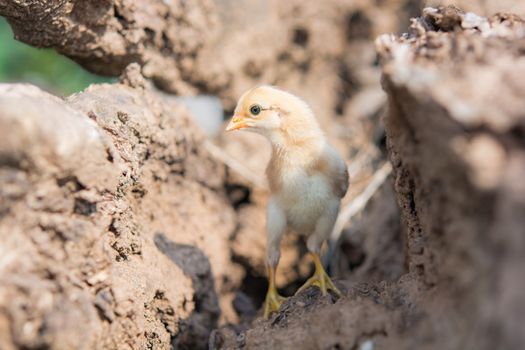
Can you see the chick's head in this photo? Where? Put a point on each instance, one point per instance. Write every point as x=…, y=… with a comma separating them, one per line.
x=274, y=113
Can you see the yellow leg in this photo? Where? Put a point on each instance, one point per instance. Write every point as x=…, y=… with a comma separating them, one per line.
x=273, y=299
x=320, y=279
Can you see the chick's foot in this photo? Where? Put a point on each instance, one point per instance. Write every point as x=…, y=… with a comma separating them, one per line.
x=320, y=279
x=272, y=303
x=273, y=300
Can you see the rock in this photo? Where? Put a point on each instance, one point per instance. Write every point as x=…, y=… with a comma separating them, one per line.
x=100, y=194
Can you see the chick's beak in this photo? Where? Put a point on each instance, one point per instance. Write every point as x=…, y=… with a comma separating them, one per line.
x=236, y=123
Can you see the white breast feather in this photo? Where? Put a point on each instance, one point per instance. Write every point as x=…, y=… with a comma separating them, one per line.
x=304, y=198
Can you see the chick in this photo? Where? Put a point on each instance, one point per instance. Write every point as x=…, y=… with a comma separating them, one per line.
x=307, y=178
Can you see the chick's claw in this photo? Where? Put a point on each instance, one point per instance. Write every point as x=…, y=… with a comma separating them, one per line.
x=323, y=282
x=320, y=279
x=272, y=303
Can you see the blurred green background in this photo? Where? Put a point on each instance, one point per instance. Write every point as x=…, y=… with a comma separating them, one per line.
x=43, y=67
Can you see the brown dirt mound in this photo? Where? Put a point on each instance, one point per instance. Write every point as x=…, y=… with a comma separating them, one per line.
x=114, y=233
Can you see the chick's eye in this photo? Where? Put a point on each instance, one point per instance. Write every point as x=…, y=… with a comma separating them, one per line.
x=255, y=109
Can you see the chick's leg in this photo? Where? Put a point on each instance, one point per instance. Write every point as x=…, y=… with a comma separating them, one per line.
x=273, y=300
x=322, y=232
x=275, y=227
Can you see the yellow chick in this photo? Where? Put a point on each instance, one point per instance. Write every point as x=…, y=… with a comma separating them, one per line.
x=307, y=178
